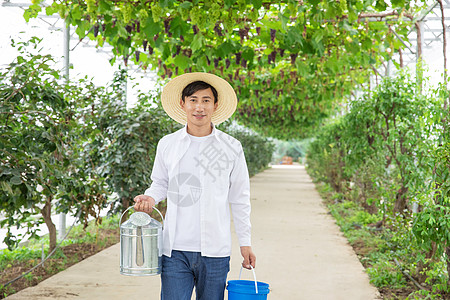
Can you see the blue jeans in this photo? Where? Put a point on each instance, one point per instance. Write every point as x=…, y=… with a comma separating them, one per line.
x=184, y=270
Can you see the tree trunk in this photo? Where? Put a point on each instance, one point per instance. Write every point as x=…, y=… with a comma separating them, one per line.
x=125, y=204
x=46, y=212
x=447, y=252
x=401, y=200
x=422, y=267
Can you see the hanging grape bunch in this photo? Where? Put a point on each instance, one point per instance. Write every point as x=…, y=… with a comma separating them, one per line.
x=137, y=26
x=238, y=58
x=96, y=28
x=167, y=27
x=272, y=56
x=293, y=58
x=144, y=45
x=242, y=34
x=177, y=51
x=157, y=12
x=227, y=63
x=218, y=30
x=273, y=34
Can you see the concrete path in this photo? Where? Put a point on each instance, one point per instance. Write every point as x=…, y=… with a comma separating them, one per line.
x=300, y=252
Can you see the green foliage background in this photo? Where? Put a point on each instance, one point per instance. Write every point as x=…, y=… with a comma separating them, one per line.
x=77, y=148
x=292, y=63
x=389, y=156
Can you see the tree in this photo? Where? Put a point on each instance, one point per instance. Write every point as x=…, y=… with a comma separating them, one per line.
x=124, y=148
x=42, y=132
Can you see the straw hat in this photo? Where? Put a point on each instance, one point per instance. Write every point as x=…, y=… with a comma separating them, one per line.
x=171, y=96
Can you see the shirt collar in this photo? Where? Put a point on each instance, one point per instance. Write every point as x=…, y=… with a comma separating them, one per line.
x=184, y=133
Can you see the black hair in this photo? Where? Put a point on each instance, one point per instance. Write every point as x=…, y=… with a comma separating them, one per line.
x=195, y=86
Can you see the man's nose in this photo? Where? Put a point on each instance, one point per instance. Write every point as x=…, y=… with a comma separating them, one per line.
x=199, y=106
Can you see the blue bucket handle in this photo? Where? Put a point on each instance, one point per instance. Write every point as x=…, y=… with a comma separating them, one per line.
x=254, y=277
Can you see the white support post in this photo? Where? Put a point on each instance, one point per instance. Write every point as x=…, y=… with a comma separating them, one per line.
x=66, y=49
x=388, y=68
x=65, y=74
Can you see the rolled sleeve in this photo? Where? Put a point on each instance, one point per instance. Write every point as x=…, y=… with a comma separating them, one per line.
x=239, y=199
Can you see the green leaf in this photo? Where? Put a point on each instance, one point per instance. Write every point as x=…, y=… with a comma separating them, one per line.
x=151, y=28
x=16, y=180
x=381, y=5
x=76, y=12
x=182, y=62
x=104, y=6
x=225, y=49
x=248, y=54
x=271, y=24
x=50, y=10
x=186, y=5
x=257, y=3
x=302, y=68
x=197, y=42
x=229, y=3
x=6, y=187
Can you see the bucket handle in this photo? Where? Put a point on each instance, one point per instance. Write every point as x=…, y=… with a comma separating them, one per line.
x=162, y=218
x=254, y=277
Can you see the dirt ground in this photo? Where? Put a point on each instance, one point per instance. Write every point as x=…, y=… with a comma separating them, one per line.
x=73, y=253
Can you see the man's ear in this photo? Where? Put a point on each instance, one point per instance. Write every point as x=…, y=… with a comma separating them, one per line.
x=181, y=103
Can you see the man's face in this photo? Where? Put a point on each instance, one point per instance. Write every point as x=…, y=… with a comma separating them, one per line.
x=199, y=108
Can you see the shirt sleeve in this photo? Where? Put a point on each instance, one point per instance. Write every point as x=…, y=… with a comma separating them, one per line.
x=239, y=199
x=159, y=177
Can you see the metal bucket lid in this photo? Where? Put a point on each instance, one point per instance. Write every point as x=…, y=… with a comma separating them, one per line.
x=140, y=218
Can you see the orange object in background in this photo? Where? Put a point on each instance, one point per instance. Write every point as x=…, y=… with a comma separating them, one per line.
x=287, y=160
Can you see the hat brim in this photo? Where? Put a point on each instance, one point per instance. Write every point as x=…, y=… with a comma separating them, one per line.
x=226, y=96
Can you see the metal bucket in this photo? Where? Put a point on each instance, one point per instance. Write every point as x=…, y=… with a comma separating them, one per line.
x=140, y=245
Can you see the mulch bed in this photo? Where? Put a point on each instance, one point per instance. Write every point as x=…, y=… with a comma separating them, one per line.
x=73, y=253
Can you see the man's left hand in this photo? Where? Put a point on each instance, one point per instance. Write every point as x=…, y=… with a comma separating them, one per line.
x=249, y=257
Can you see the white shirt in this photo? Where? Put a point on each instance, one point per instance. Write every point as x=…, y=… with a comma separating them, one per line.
x=188, y=229
x=224, y=183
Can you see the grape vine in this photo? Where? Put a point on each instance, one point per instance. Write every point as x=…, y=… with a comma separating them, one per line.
x=313, y=53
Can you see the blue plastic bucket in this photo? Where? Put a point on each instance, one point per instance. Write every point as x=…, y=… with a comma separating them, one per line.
x=247, y=289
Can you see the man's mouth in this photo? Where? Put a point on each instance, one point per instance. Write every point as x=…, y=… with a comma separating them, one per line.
x=199, y=116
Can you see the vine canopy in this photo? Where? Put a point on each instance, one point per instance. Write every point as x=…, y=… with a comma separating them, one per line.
x=291, y=62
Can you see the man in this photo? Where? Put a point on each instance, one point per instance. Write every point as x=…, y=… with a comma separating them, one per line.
x=202, y=172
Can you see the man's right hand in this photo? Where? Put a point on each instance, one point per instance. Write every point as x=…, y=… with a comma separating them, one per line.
x=144, y=203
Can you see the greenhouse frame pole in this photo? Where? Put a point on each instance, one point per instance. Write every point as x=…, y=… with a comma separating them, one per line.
x=65, y=74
